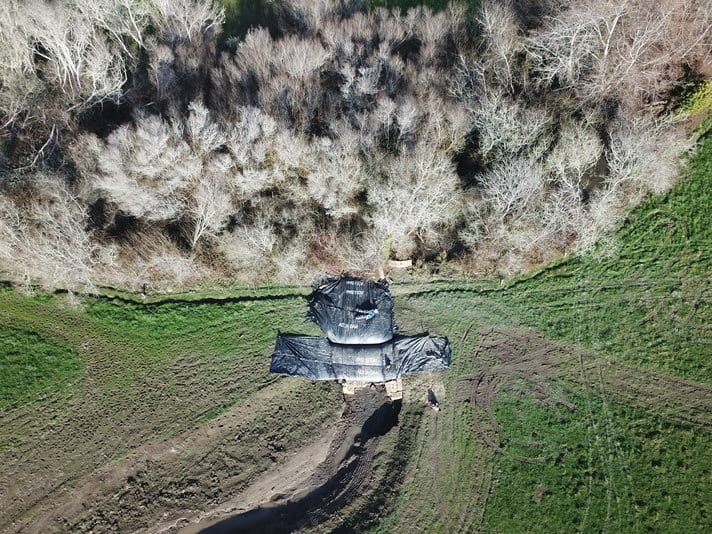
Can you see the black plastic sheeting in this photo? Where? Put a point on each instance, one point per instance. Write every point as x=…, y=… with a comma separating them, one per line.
x=353, y=311
x=319, y=359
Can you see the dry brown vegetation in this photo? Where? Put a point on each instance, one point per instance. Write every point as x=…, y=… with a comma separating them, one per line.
x=137, y=149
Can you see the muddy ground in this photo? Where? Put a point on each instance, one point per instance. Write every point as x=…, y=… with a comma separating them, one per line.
x=203, y=480
x=334, y=482
x=236, y=474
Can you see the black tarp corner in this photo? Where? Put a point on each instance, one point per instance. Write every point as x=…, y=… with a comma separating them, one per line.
x=296, y=355
x=317, y=358
x=414, y=354
x=353, y=311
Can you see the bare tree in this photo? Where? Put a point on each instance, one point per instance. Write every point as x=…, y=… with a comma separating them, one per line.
x=144, y=169
x=186, y=18
x=629, y=50
x=501, y=40
x=44, y=237
x=416, y=196
x=507, y=128
x=210, y=203
x=510, y=188
x=337, y=176
x=645, y=154
x=575, y=153
x=336, y=142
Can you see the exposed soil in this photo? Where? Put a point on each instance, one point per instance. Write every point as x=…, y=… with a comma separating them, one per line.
x=185, y=484
x=167, y=480
x=238, y=474
x=287, y=504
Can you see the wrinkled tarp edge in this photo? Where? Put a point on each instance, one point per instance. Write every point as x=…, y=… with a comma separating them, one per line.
x=317, y=358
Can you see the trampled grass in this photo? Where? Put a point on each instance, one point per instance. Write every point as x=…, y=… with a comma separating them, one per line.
x=32, y=364
x=649, y=301
x=603, y=467
x=149, y=369
x=643, y=297
x=611, y=457
x=128, y=342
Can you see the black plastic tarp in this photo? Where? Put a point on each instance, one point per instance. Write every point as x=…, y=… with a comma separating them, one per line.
x=353, y=311
x=319, y=359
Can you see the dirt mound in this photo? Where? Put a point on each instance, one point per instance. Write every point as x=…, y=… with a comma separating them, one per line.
x=335, y=482
x=159, y=484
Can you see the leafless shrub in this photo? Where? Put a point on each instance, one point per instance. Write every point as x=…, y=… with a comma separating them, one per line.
x=630, y=50
x=336, y=143
x=412, y=200
x=332, y=251
x=249, y=249
x=150, y=259
x=186, y=18
x=507, y=128
x=144, y=168
x=575, y=153
x=602, y=216
x=502, y=41
x=291, y=264
x=44, y=239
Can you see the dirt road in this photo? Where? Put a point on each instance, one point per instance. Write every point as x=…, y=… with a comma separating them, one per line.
x=317, y=482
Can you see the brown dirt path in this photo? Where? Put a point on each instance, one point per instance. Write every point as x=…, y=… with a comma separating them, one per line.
x=167, y=480
x=227, y=473
x=303, y=494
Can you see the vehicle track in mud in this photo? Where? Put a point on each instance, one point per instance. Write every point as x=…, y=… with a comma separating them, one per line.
x=165, y=480
x=153, y=489
x=337, y=481
x=513, y=354
x=504, y=356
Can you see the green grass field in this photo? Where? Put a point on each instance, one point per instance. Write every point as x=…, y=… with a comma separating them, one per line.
x=603, y=467
x=580, y=397
x=31, y=365
x=607, y=426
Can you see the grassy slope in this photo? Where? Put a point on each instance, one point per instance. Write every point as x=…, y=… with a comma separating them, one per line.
x=649, y=303
x=604, y=467
x=147, y=371
x=605, y=450
x=614, y=436
x=32, y=364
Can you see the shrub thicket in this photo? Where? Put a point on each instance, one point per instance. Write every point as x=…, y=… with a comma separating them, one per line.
x=136, y=149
